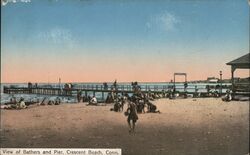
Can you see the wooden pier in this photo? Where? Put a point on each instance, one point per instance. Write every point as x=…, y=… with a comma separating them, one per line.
x=72, y=91
x=85, y=89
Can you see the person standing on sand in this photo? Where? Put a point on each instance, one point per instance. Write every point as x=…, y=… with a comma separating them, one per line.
x=132, y=116
x=79, y=96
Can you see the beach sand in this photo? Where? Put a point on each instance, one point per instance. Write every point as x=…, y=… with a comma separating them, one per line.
x=185, y=126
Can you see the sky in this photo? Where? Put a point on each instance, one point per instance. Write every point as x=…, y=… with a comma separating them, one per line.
x=133, y=40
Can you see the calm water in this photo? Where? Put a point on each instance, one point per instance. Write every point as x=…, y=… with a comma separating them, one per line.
x=179, y=86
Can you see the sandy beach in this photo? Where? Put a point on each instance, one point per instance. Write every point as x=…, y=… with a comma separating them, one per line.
x=185, y=126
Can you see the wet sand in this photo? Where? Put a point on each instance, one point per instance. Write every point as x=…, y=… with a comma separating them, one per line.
x=185, y=126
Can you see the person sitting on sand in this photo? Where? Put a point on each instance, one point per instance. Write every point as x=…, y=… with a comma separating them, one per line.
x=119, y=103
x=117, y=107
x=173, y=94
x=140, y=106
x=51, y=102
x=215, y=93
x=88, y=98
x=109, y=98
x=57, y=101
x=93, y=101
x=132, y=116
x=164, y=94
x=228, y=96
x=185, y=94
x=21, y=104
x=152, y=108
x=150, y=96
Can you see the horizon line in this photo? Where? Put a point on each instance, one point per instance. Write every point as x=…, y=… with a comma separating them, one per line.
x=114, y=81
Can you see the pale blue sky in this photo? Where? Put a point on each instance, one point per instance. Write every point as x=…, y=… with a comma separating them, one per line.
x=213, y=29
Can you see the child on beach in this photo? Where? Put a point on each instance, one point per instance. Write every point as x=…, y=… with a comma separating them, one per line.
x=132, y=116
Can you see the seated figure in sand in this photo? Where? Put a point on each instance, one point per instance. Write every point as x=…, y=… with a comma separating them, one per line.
x=140, y=106
x=21, y=104
x=228, y=96
x=119, y=103
x=57, y=101
x=93, y=101
x=109, y=98
x=151, y=107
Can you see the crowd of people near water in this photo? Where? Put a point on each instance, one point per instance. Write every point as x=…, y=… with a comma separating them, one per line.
x=21, y=103
x=137, y=102
x=142, y=99
x=17, y=104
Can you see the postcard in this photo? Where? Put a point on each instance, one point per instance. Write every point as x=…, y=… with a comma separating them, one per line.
x=116, y=77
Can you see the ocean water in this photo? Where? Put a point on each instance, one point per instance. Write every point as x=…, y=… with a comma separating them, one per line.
x=28, y=97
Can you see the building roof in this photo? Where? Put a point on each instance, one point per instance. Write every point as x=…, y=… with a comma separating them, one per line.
x=241, y=62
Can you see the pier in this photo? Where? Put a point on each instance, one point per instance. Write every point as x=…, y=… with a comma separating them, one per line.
x=86, y=89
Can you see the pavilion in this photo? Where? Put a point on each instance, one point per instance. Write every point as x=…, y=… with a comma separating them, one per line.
x=242, y=62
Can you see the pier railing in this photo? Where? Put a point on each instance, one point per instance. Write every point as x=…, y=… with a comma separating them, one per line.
x=59, y=90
